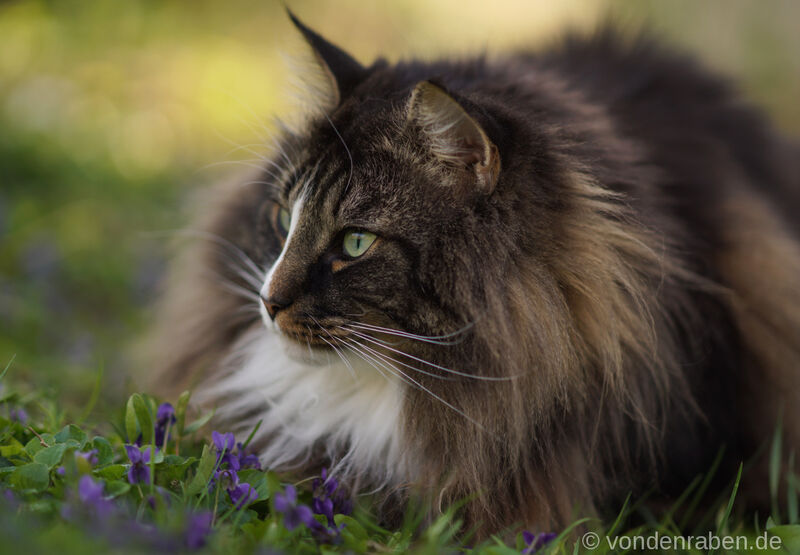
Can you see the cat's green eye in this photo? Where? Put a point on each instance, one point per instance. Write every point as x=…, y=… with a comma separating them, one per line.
x=357, y=243
x=284, y=221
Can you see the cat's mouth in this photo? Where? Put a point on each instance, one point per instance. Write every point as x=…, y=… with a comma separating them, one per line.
x=310, y=332
x=311, y=342
x=322, y=339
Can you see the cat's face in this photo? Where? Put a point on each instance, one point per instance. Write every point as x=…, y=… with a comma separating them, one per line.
x=360, y=230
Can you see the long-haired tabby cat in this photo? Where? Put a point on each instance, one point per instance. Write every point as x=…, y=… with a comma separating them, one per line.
x=537, y=282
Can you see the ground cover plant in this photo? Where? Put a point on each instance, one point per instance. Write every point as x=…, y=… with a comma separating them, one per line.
x=150, y=479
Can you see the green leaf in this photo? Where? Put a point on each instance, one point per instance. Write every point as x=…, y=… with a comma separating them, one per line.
x=115, y=488
x=71, y=432
x=44, y=506
x=35, y=444
x=274, y=484
x=255, y=530
x=257, y=479
x=208, y=461
x=789, y=535
x=111, y=472
x=353, y=534
x=199, y=423
x=105, y=453
x=145, y=418
x=50, y=456
x=158, y=458
x=352, y=525
x=34, y=476
x=174, y=469
x=180, y=411
x=14, y=447
x=131, y=422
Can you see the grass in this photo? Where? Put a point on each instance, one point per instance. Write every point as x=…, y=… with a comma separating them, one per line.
x=67, y=485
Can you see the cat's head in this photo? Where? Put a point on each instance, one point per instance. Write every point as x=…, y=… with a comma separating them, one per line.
x=381, y=214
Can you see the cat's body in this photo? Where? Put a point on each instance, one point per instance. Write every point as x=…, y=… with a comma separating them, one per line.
x=584, y=281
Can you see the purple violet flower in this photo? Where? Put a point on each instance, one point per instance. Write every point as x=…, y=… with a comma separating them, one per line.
x=242, y=495
x=91, y=494
x=323, y=507
x=326, y=500
x=223, y=442
x=10, y=497
x=227, y=478
x=139, y=471
x=197, y=530
x=245, y=460
x=88, y=456
x=88, y=490
x=165, y=417
x=534, y=542
x=165, y=413
x=293, y=514
x=228, y=466
x=18, y=415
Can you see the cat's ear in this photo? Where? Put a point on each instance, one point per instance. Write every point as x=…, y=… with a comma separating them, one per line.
x=455, y=137
x=343, y=72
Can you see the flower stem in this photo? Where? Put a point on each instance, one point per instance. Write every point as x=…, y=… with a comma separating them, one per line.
x=216, y=502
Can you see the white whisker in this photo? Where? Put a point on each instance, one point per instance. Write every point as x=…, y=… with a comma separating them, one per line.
x=415, y=383
x=357, y=350
x=344, y=359
x=346, y=148
x=425, y=372
x=239, y=290
x=383, y=344
x=258, y=273
x=437, y=339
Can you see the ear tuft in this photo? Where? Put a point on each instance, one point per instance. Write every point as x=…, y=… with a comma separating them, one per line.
x=455, y=137
x=342, y=70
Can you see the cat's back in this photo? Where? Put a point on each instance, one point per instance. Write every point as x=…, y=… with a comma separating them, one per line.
x=692, y=122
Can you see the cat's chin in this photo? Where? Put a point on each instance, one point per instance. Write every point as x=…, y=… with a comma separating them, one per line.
x=304, y=353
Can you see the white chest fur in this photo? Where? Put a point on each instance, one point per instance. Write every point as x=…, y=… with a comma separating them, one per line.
x=350, y=411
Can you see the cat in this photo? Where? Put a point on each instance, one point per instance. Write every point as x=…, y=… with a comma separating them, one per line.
x=533, y=283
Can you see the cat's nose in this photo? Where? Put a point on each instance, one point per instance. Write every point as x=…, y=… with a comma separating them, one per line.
x=274, y=304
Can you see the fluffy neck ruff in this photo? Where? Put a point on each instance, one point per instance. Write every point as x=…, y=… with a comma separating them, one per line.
x=330, y=410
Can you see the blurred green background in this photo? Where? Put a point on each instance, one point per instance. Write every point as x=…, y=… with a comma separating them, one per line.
x=112, y=113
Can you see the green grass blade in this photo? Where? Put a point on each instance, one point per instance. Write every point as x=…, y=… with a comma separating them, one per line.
x=775, y=468
x=252, y=434
x=722, y=528
x=791, y=492
x=10, y=362
x=698, y=496
x=620, y=516
x=94, y=395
